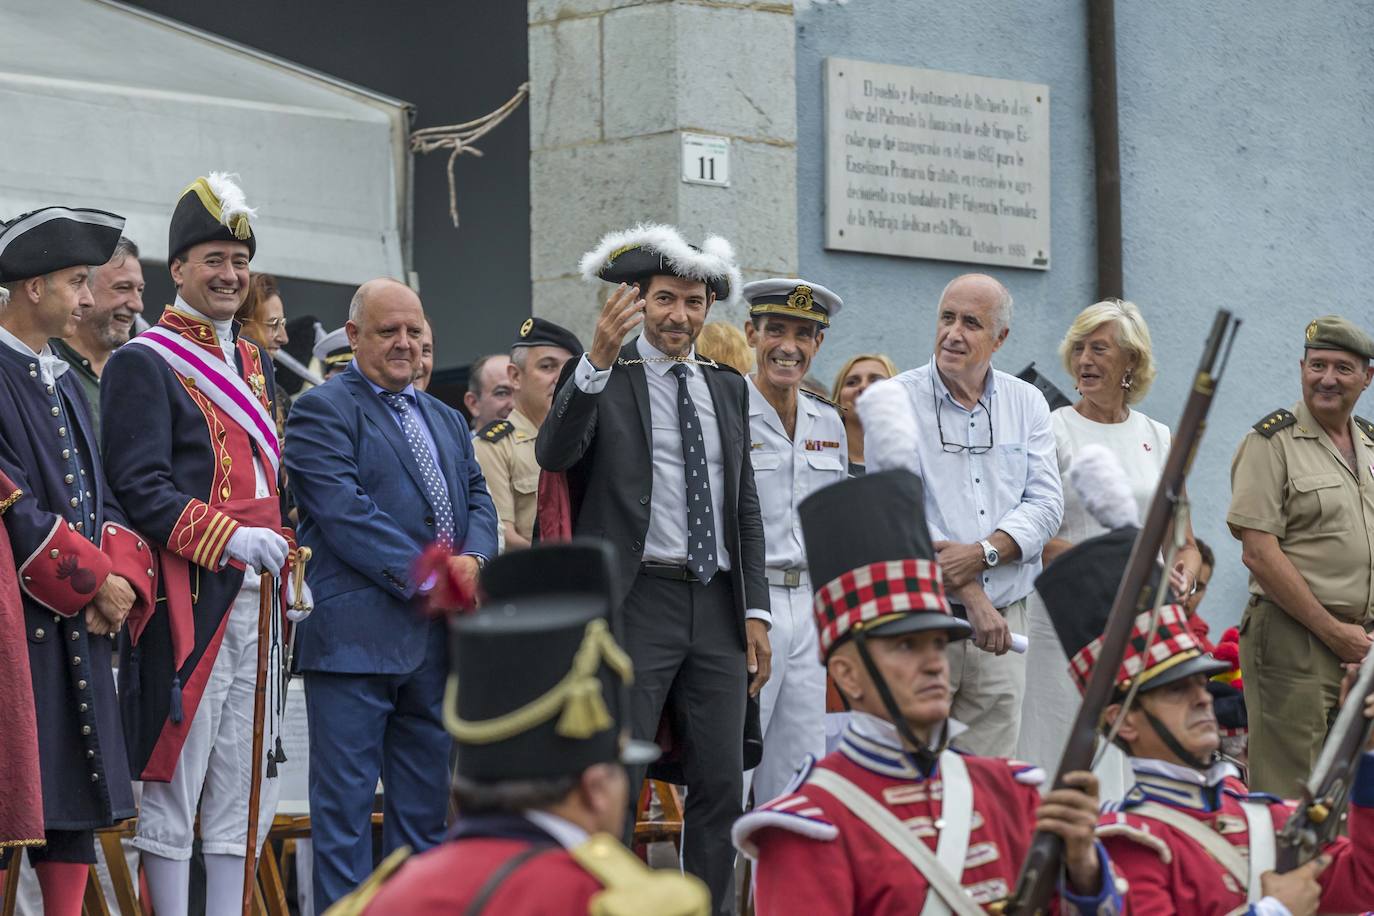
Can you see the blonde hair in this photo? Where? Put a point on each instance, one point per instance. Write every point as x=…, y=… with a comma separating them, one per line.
x=1132, y=335
x=854, y=361
x=725, y=343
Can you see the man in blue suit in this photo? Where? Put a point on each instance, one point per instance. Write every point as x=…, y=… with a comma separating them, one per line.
x=380, y=471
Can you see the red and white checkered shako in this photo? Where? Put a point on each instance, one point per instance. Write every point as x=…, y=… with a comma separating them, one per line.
x=1172, y=644
x=870, y=593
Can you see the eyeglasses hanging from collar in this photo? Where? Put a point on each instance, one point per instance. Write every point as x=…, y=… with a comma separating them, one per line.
x=956, y=447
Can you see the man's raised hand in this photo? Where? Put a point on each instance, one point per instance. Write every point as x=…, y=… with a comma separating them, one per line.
x=624, y=310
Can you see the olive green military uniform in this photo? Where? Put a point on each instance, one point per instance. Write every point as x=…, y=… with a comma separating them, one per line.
x=1290, y=480
x=505, y=450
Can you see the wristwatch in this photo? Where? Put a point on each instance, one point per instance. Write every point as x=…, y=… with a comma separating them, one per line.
x=990, y=554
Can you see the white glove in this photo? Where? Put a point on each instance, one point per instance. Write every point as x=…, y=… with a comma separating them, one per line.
x=261, y=549
x=304, y=599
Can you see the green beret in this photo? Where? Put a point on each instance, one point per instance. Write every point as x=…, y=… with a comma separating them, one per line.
x=1331, y=332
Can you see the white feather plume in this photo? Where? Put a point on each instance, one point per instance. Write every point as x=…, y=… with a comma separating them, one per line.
x=889, y=422
x=715, y=259
x=1100, y=481
x=231, y=199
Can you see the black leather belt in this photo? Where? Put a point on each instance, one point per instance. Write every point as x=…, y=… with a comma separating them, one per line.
x=666, y=571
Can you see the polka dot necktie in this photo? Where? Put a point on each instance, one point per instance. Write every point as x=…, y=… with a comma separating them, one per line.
x=701, y=528
x=435, y=488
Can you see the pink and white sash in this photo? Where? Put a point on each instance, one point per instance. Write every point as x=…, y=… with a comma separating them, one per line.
x=220, y=384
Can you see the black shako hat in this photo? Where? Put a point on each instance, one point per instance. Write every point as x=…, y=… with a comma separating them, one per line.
x=55, y=238
x=211, y=209
x=872, y=562
x=537, y=686
x=649, y=249
x=1078, y=589
x=538, y=332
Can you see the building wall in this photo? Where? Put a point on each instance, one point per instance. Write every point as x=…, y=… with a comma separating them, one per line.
x=1242, y=136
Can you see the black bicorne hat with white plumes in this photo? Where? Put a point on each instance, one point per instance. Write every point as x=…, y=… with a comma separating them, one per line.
x=651, y=249
x=211, y=209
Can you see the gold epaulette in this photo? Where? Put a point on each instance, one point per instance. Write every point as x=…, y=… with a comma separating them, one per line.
x=633, y=888
x=1273, y=422
x=1365, y=426
x=354, y=903
x=495, y=431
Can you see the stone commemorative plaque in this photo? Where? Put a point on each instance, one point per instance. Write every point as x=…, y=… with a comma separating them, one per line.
x=930, y=164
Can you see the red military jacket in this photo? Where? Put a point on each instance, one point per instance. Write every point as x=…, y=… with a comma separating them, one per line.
x=1167, y=872
x=814, y=856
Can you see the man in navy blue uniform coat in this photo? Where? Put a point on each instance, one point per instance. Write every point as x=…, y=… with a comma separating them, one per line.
x=380, y=471
x=80, y=570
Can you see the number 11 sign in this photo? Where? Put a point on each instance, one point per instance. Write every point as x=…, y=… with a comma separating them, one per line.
x=706, y=160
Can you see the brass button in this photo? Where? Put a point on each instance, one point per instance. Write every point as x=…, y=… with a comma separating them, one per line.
x=150, y=574
x=70, y=478
x=90, y=755
x=75, y=502
x=56, y=411
x=62, y=431
x=83, y=707
x=80, y=526
x=53, y=553
x=76, y=660
x=85, y=729
x=52, y=390
x=80, y=685
x=66, y=453
x=75, y=635
x=110, y=529
x=39, y=633
x=95, y=777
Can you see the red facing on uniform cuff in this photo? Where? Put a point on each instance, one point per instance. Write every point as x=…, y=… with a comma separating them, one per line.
x=201, y=534
x=65, y=572
x=132, y=558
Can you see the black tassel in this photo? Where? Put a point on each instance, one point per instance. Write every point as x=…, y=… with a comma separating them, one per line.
x=271, y=765
x=176, y=700
x=279, y=755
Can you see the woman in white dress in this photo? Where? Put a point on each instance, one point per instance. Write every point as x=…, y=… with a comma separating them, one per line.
x=1107, y=352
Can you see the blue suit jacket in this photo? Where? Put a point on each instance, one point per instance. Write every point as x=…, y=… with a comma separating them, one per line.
x=364, y=514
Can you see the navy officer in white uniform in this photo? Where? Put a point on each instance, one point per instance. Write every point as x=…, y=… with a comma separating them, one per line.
x=797, y=446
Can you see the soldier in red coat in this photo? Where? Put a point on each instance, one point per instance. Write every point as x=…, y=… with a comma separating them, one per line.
x=537, y=702
x=1190, y=837
x=896, y=820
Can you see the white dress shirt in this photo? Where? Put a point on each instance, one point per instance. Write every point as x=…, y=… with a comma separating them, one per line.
x=1014, y=486
x=787, y=470
x=561, y=829
x=666, y=539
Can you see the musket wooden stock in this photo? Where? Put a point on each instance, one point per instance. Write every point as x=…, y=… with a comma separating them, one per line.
x=1040, y=871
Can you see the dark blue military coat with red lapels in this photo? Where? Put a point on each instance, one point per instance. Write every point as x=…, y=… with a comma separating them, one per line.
x=68, y=535
x=183, y=466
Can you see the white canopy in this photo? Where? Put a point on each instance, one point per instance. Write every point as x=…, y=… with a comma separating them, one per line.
x=104, y=105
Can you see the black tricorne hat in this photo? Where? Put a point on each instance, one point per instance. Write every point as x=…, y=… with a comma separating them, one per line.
x=537, y=682
x=540, y=332
x=1078, y=589
x=871, y=560
x=211, y=209
x=55, y=238
x=648, y=250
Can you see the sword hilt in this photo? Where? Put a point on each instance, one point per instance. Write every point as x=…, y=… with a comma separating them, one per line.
x=303, y=555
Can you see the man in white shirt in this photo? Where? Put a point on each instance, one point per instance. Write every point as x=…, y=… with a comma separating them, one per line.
x=992, y=499
x=797, y=445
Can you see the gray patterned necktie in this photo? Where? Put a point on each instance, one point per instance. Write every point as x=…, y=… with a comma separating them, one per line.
x=435, y=488
x=701, y=528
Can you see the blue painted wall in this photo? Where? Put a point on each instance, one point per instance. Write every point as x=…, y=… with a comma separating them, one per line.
x=1246, y=134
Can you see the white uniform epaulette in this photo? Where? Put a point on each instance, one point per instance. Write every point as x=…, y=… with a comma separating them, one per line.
x=1028, y=774
x=1138, y=830
x=793, y=810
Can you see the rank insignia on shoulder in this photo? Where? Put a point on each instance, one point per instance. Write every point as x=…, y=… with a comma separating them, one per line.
x=822, y=398
x=496, y=430
x=1273, y=422
x=1365, y=427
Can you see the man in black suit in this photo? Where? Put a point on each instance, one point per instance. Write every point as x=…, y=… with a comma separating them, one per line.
x=656, y=444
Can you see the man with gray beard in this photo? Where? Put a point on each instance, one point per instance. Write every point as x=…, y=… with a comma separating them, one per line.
x=117, y=288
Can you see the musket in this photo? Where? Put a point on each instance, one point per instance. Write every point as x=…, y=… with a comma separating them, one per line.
x=1135, y=595
x=1316, y=822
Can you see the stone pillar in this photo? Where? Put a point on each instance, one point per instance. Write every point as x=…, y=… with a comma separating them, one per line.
x=613, y=84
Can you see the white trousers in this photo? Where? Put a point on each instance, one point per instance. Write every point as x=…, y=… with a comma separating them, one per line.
x=214, y=768
x=792, y=703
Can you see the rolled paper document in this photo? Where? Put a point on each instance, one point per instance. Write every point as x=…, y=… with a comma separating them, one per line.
x=1019, y=643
